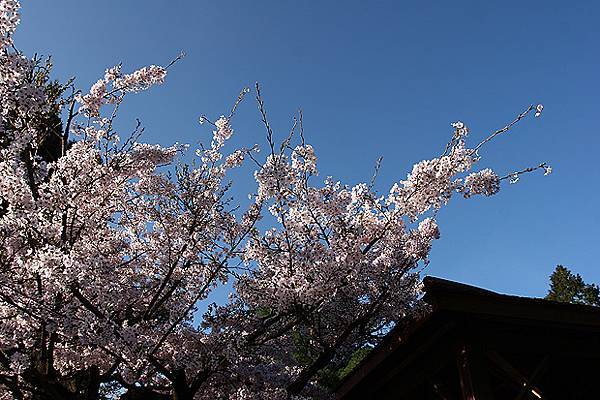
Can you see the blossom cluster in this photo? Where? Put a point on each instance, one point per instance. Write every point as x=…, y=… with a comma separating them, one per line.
x=115, y=84
x=484, y=182
x=109, y=251
x=9, y=19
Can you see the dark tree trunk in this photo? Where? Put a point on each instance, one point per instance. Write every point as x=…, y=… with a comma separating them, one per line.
x=84, y=386
x=136, y=393
x=181, y=389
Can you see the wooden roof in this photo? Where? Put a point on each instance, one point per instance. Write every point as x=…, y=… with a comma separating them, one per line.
x=510, y=336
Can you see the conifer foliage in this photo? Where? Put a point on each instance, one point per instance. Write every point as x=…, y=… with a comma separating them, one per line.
x=568, y=287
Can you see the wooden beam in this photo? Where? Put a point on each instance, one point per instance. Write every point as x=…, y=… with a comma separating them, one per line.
x=517, y=377
x=439, y=391
x=539, y=370
x=473, y=374
x=416, y=353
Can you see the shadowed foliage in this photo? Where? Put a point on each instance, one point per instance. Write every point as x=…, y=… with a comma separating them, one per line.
x=571, y=288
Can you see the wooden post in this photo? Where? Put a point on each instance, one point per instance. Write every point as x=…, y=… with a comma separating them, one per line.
x=473, y=374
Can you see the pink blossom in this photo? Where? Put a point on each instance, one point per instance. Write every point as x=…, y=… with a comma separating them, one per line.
x=110, y=250
x=484, y=182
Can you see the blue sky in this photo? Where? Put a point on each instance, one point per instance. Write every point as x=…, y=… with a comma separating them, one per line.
x=379, y=78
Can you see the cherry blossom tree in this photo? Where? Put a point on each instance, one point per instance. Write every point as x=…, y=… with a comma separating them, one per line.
x=108, y=249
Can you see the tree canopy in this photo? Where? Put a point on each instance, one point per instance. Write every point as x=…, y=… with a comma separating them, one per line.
x=109, y=245
x=571, y=288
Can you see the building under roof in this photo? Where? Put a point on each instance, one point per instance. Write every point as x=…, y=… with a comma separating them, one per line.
x=477, y=344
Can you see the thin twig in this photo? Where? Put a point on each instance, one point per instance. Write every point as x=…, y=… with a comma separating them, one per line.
x=265, y=120
x=300, y=119
x=376, y=172
x=287, y=140
x=239, y=99
x=502, y=130
x=179, y=57
x=526, y=170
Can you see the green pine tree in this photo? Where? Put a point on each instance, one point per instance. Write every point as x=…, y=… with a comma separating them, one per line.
x=571, y=288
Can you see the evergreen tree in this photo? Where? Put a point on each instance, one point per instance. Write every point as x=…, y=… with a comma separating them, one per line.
x=570, y=288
